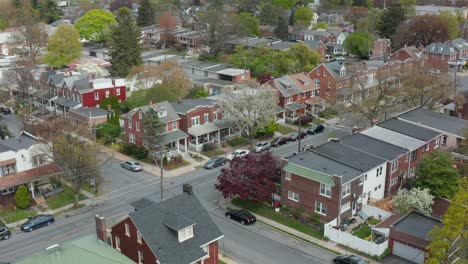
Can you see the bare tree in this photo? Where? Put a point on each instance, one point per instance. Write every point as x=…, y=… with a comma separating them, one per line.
x=249, y=107
x=20, y=78
x=168, y=23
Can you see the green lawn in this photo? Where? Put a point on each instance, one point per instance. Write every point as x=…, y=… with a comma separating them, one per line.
x=12, y=215
x=239, y=141
x=63, y=198
x=372, y=221
x=285, y=130
x=213, y=153
x=362, y=232
x=221, y=262
x=265, y=211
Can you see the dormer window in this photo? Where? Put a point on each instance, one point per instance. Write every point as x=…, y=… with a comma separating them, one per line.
x=441, y=49
x=162, y=112
x=342, y=71
x=185, y=234
x=288, y=86
x=432, y=48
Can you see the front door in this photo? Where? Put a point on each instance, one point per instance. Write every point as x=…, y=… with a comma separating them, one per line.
x=353, y=206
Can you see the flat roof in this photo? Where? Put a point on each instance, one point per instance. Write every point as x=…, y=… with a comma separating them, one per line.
x=393, y=138
x=417, y=225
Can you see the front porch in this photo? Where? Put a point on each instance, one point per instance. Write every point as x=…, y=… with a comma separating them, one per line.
x=294, y=111
x=280, y=116
x=45, y=100
x=315, y=105
x=215, y=132
x=172, y=142
x=63, y=105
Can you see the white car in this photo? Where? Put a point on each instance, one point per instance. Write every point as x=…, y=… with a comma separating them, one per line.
x=261, y=146
x=237, y=153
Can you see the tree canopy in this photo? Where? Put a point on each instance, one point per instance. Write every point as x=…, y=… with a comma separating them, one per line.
x=417, y=199
x=93, y=24
x=64, y=47
x=285, y=4
x=248, y=24
x=153, y=128
x=360, y=44
x=390, y=19
x=146, y=14
x=281, y=30
x=303, y=17
x=269, y=14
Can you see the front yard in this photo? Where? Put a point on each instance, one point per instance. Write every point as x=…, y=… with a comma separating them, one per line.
x=63, y=198
x=12, y=215
x=285, y=130
x=363, y=232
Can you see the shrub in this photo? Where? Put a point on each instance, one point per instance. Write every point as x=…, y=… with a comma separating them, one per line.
x=268, y=130
x=298, y=212
x=22, y=197
x=304, y=120
x=134, y=151
x=108, y=132
x=165, y=161
x=209, y=146
x=314, y=218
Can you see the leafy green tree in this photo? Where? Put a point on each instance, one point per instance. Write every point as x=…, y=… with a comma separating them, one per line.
x=452, y=23
x=269, y=15
x=217, y=21
x=409, y=6
x=198, y=92
x=369, y=23
x=22, y=197
x=320, y=25
x=248, y=24
x=436, y=172
x=305, y=58
x=153, y=128
x=282, y=30
x=124, y=43
x=92, y=25
x=303, y=16
x=108, y=132
x=286, y=4
x=360, y=44
x=64, y=47
x=268, y=130
x=390, y=19
x=113, y=101
x=49, y=11
x=146, y=14
x=417, y=199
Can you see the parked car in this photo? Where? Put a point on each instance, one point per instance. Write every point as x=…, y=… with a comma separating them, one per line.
x=6, y=110
x=262, y=146
x=315, y=129
x=242, y=216
x=296, y=135
x=37, y=221
x=4, y=232
x=279, y=141
x=237, y=153
x=131, y=165
x=215, y=162
x=349, y=259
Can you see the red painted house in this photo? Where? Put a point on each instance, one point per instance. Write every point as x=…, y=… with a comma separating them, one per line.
x=405, y=53
x=177, y=230
x=319, y=47
x=174, y=136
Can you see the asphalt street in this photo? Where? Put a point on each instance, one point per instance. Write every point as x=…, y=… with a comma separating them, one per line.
x=13, y=123
x=246, y=244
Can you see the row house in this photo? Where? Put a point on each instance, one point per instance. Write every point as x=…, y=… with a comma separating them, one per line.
x=319, y=47
x=203, y=121
x=405, y=53
x=176, y=230
x=320, y=35
x=461, y=46
x=171, y=139
x=298, y=95
x=381, y=49
x=438, y=55
x=201, y=70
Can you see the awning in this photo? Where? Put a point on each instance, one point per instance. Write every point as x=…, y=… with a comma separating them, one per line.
x=295, y=106
x=172, y=136
x=208, y=128
x=27, y=176
x=6, y=162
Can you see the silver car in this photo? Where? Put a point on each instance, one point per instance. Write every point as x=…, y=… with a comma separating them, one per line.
x=131, y=165
x=262, y=146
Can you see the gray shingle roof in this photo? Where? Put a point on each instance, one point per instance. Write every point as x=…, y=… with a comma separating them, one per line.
x=163, y=241
x=208, y=127
x=437, y=121
x=82, y=84
x=373, y=146
x=142, y=203
x=286, y=86
x=67, y=102
x=408, y=129
x=172, y=136
x=171, y=114
x=313, y=44
x=417, y=225
x=295, y=106
x=70, y=80
x=283, y=45
x=350, y=156
x=394, y=138
x=187, y=105
x=91, y=111
x=320, y=163
x=334, y=68
x=440, y=48
x=57, y=78
x=22, y=142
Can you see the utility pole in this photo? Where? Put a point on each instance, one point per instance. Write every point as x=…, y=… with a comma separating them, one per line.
x=455, y=86
x=299, y=136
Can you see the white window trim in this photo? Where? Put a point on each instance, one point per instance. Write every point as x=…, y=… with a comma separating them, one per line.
x=206, y=118
x=141, y=257
x=437, y=143
x=361, y=180
x=137, y=126
x=347, y=189
x=394, y=165
x=139, y=237
x=345, y=207
x=444, y=140
x=291, y=196
x=325, y=189
x=127, y=230
x=96, y=95
x=117, y=243
x=131, y=138
x=428, y=146
x=198, y=121
x=117, y=91
x=321, y=207
x=287, y=176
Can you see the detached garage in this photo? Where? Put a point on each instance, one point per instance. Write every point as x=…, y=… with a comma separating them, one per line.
x=409, y=236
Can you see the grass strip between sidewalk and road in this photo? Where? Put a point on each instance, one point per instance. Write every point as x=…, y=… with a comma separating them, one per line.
x=12, y=215
x=63, y=198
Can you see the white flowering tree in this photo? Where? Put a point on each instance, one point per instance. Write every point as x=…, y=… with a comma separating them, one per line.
x=249, y=107
x=94, y=68
x=417, y=199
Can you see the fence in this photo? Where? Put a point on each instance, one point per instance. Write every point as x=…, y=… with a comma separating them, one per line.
x=375, y=212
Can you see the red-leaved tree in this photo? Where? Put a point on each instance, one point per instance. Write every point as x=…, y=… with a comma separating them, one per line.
x=251, y=177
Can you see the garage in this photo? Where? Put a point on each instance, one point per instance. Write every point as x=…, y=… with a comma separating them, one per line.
x=408, y=252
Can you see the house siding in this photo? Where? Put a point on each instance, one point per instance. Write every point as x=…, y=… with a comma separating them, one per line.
x=88, y=99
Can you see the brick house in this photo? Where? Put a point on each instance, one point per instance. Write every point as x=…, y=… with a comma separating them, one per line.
x=319, y=47
x=173, y=137
x=382, y=48
x=89, y=116
x=330, y=77
x=320, y=35
x=461, y=46
x=410, y=52
x=438, y=55
x=202, y=120
x=177, y=230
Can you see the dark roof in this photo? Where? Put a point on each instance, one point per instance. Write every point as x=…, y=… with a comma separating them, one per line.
x=388, y=221
x=286, y=86
x=57, y=78
x=67, y=102
x=24, y=141
x=177, y=222
x=408, y=129
x=295, y=106
x=187, y=105
x=313, y=44
x=352, y=157
x=91, y=112
x=283, y=45
x=171, y=114
x=373, y=146
x=172, y=136
x=437, y=121
x=82, y=84
x=440, y=48
x=417, y=224
x=322, y=164
x=152, y=222
x=334, y=68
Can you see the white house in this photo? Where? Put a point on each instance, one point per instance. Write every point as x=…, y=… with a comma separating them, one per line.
x=340, y=38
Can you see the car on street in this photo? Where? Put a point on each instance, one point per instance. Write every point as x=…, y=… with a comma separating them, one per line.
x=37, y=221
x=5, y=233
x=279, y=141
x=242, y=216
x=315, y=129
x=215, y=162
x=262, y=146
x=237, y=153
x=296, y=135
x=131, y=165
x=349, y=259
x=6, y=110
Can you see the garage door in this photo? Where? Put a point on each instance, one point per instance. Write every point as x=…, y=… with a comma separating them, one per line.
x=409, y=253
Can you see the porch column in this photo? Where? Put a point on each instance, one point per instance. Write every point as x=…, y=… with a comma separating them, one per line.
x=178, y=147
x=185, y=143
x=196, y=143
x=219, y=136
x=32, y=190
x=229, y=132
x=208, y=137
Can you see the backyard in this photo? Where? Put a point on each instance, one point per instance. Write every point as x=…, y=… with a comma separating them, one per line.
x=363, y=232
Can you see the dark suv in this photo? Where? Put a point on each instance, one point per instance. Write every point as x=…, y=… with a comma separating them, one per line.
x=4, y=232
x=315, y=129
x=242, y=216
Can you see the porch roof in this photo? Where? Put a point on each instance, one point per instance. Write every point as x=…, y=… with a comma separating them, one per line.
x=6, y=162
x=67, y=102
x=294, y=106
x=47, y=96
x=173, y=136
x=28, y=175
x=208, y=128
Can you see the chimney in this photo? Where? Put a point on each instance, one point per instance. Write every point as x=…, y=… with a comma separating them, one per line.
x=187, y=188
x=101, y=231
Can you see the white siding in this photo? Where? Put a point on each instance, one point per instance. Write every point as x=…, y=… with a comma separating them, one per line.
x=375, y=184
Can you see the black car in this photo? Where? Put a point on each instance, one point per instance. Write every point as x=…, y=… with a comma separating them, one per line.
x=215, y=162
x=295, y=135
x=6, y=110
x=4, y=232
x=279, y=141
x=349, y=259
x=37, y=221
x=315, y=129
x=242, y=216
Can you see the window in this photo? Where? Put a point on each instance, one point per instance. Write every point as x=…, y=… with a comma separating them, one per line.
x=320, y=208
x=8, y=169
x=107, y=93
x=437, y=143
x=185, y=233
x=195, y=121
x=394, y=181
x=380, y=186
x=365, y=177
x=312, y=93
x=127, y=230
x=346, y=190
x=318, y=72
x=96, y=96
x=361, y=180
x=206, y=249
x=131, y=138
x=117, y=243
x=329, y=84
x=394, y=165
x=317, y=81
x=412, y=172
x=140, y=257
x=162, y=112
x=206, y=118
x=287, y=176
x=293, y=196
x=289, y=100
x=117, y=91
x=375, y=189
x=130, y=123
x=174, y=125
x=345, y=207
x=444, y=140
x=324, y=73
x=38, y=160
x=413, y=155
x=427, y=147
x=325, y=190
x=215, y=116
x=137, y=126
